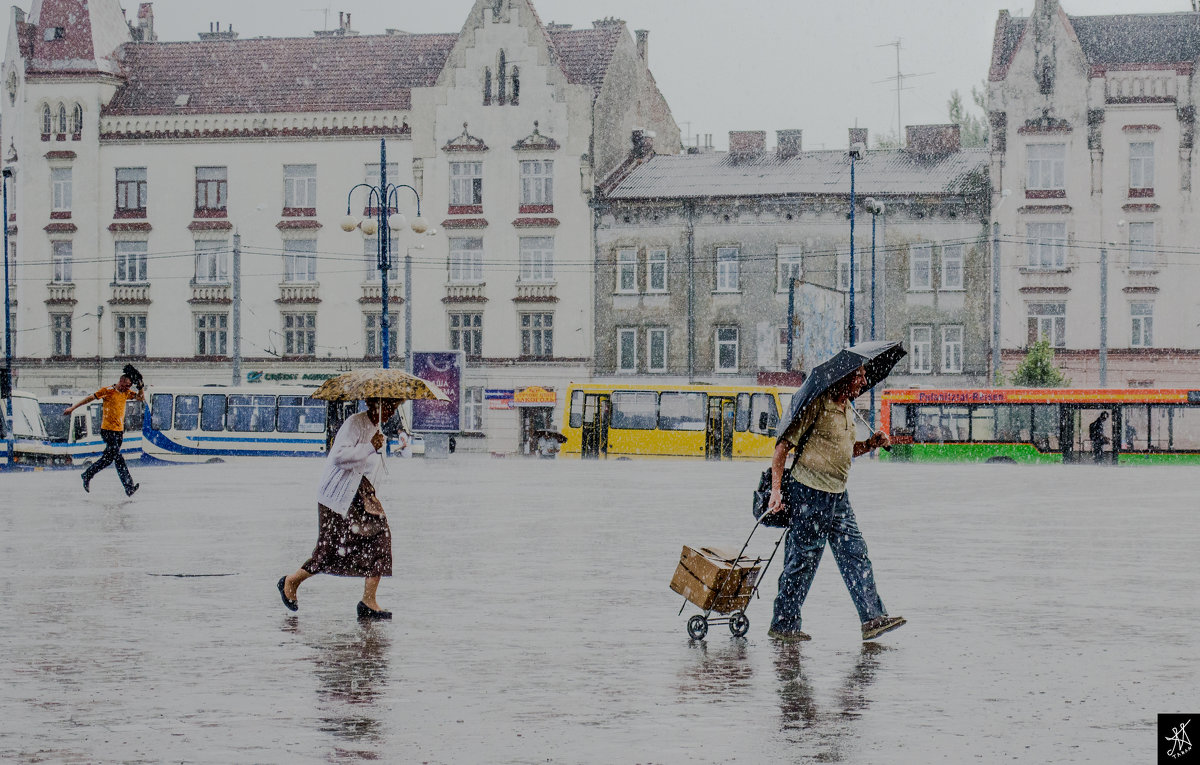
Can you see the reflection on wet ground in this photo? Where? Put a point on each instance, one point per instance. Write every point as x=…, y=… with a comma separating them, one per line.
x=1047, y=622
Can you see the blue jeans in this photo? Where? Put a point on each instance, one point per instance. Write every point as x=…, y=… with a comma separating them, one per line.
x=819, y=517
x=112, y=454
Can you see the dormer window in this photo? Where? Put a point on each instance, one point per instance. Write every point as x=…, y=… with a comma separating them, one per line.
x=53, y=33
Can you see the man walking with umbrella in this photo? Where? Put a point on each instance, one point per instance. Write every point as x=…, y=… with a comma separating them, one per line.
x=821, y=430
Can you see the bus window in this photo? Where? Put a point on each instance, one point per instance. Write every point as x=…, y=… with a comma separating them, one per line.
x=160, y=411
x=97, y=417
x=764, y=417
x=983, y=423
x=1185, y=427
x=187, y=412
x=899, y=420
x=741, y=421
x=928, y=428
x=634, y=410
x=955, y=423
x=682, y=411
x=212, y=411
x=58, y=425
x=1135, y=421
x=1160, y=428
x=300, y=415
x=1045, y=427
x=1014, y=423
x=576, y=420
x=134, y=411
x=250, y=414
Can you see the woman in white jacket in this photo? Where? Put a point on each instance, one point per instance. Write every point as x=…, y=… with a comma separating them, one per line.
x=353, y=537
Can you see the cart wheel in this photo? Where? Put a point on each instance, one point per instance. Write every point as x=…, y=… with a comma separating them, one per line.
x=697, y=627
x=739, y=625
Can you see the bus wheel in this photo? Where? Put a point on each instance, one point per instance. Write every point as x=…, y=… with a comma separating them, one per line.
x=697, y=627
x=1001, y=461
x=739, y=625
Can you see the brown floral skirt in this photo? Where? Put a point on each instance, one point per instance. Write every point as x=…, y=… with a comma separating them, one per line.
x=343, y=550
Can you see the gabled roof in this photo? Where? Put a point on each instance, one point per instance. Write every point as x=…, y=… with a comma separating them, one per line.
x=717, y=174
x=71, y=37
x=1146, y=38
x=585, y=54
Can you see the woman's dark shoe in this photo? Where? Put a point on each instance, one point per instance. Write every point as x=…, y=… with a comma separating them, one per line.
x=291, y=604
x=365, y=612
x=129, y=492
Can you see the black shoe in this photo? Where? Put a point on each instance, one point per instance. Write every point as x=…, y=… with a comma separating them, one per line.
x=885, y=623
x=129, y=492
x=86, y=488
x=290, y=604
x=365, y=612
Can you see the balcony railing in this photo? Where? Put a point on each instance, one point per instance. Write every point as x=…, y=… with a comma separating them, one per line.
x=465, y=292
x=535, y=291
x=215, y=292
x=300, y=292
x=1057, y=279
x=130, y=293
x=372, y=292
x=60, y=293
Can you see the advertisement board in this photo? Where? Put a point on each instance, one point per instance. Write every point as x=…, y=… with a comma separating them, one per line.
x=445, y=370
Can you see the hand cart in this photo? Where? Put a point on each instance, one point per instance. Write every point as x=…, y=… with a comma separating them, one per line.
x=732, y=593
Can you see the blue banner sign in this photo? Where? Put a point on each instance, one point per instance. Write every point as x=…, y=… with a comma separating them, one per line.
x=445, y=370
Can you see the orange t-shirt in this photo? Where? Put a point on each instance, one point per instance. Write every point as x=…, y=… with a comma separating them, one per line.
x=114, y=407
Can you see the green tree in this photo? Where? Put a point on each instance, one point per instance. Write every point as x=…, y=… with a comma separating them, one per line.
x=973, y=127
x=1037, y=370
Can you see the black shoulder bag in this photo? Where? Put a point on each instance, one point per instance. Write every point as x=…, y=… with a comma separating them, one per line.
x=762, y=495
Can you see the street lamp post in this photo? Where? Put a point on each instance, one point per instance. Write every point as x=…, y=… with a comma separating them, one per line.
x=876, y=209
x=8, y=333
x=385, y=224
x=856, y=152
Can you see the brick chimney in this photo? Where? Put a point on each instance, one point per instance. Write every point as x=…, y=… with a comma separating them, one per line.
x=143, y=28
x=214, y=32
x=643, y=143
x=787, y=143
x=933, y=140
x=747, y=144
x=643, y=44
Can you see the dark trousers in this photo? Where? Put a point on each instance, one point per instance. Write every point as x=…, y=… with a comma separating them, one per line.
x=112, y=453
x=819, y=518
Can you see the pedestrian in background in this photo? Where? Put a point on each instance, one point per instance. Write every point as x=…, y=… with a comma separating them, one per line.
x=353, y=537
x=112, y=425
x=1097, y=437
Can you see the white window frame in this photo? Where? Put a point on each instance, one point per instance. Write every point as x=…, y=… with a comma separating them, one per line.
x=300, y=186
x=727, y=269
x=371, y=176
x=953, y=264
x=212, y=261
x=60, y=333
x=299, y=261
x=131, y=181
x=843, y=272
x=537, y=182
x=657, y=270
x=627, y=271
x=466, y=332
x=61, y=260
x=466, y=184
x=299, y=333
x=1141, y=165
x=660, y=336
x=627, y=360
x=130, y=332
x=472, y=409
x=1050, y=320
x=730, y=341
x=1046, y=245
x=920, y=360
x=371, y=260
x=129, y=256
x=466, y=260
x=537, y=259
x=1142, y=246
x=1141, y=324
x=920, y=267
x=373, y=335
x=952, y=349
x=60, y=188
x=212, y=334
x=789, y=264
x=1045, y=166
x=536, y=334
x=215, y=183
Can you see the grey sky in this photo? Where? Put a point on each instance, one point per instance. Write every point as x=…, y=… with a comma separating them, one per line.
x=750, y=65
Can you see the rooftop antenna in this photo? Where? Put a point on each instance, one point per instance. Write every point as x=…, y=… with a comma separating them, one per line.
x=325, y=10
x=899, y=80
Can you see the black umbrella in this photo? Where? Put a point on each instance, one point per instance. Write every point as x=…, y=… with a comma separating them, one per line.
x=877, y=357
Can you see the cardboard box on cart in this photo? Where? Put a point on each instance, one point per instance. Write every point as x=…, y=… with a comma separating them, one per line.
x=715, y=579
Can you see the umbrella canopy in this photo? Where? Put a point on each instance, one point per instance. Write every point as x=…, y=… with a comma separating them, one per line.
x=877, y=357
x=559, y=437
x=377, y=383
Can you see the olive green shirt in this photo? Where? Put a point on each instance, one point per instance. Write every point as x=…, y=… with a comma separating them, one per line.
x=824, y=462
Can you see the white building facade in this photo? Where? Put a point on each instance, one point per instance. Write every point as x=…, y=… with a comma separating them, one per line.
x=138, y=164
x=1092, y=137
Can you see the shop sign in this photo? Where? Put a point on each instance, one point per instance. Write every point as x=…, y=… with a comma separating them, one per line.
x=258, y=376
x=499, y=398
x=535, y=395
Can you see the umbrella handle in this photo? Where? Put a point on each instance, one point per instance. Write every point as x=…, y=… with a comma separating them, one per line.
x=864, y=422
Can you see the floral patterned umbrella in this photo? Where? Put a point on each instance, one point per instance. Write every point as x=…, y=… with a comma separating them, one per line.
x=377, y=383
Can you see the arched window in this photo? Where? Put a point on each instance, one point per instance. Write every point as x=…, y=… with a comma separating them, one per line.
x=516, y=86
x=77, y=121
x=62, y=119
x=46, y=122
x=487, y=86
x=503, y=77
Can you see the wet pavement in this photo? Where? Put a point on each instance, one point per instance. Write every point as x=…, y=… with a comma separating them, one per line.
x=1052, y=615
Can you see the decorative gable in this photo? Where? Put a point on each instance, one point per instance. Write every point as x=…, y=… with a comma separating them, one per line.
x=535, y=141
x=465, y=142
